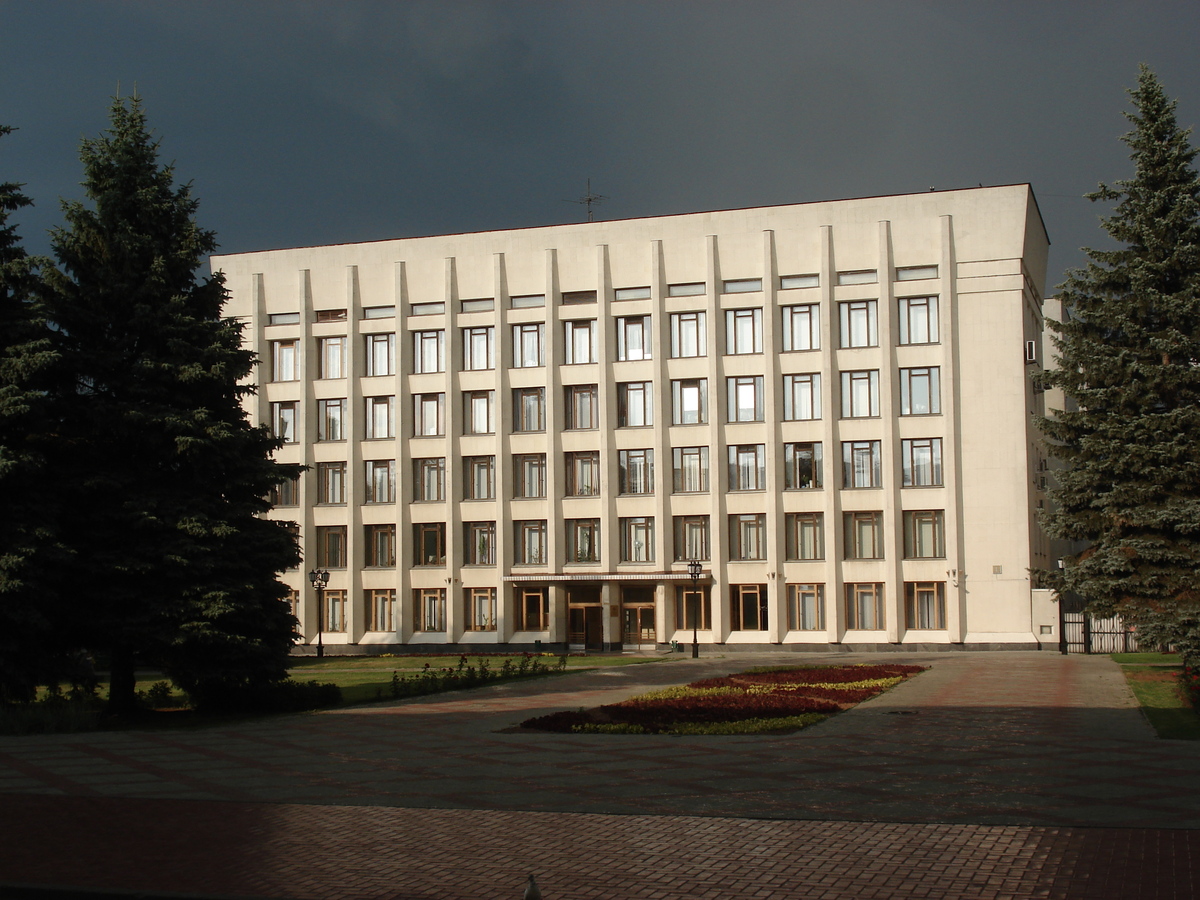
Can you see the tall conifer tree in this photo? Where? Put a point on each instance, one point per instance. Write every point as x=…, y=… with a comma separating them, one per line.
x=166, y=476
x=29, y=649
x=1129, y=358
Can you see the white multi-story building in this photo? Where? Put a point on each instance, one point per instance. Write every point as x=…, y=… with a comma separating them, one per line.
x=526, y=436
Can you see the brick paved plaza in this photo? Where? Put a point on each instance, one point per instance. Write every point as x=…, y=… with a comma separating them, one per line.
x=992, y=775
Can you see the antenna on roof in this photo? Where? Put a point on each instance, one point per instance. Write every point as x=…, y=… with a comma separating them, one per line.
x=588, y=199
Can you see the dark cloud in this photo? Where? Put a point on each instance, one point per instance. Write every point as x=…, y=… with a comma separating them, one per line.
x=323, y=122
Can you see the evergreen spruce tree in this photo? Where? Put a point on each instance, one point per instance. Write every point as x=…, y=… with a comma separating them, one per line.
x=29, y=651
x=1129, y=358
x=174, y=567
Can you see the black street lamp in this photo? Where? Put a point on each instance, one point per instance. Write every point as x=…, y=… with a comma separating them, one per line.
x=319, y=579
x=694, y=573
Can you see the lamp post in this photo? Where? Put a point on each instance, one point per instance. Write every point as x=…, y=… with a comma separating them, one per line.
x=319, y=579
x=694, y=573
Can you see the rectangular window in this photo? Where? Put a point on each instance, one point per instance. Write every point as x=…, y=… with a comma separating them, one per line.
x=379, y=312
x=529, y=409
x=381, y=480
x=530, y=472
x=633, y=338
x=429, y=613
x=531, y=542
x=802, y=397
x=924, y=534
x=860, y=394
x=335, y=611
x=532, y=609
x=864, y=535
x=691, y=537
x=805, y=535
x=693, y=609
x=802, y=327
x=635, y=404
x=802, y=467
x=925, y=605
x=582, y=407
x=806, y=607
x=743, y=331
x=748, y=607
x=583, y=540
x=921, y=459
x=331, y=546
x=686, y=289
x=381, y=545
x=635, y=471
x=283, y=319
x=527, y=301
x=480, y=482
x=481, y=609
x=689, y=401
x=283, y=421
x=864, y=607
x=381, y=417
x=859, y=276
x=744, y=398
x=479, y=412
x=527, y=345
x=741, y=285
x=918, y=320
x=331, y=361
x=920, y=392
x=381, y=609
x=331, y=315
x=480, y=540
x=429, y=351
x=632, y=293
x=637, y=539
x=748, y=536
x=481, y=304
x=583, y=474
x=688, y=335
x=479, y=348
x=859, y=323
x=381, y=354
x=572, y=297
x=690, y=470
x=331, y=482
x=429, y=543
x=861, y=464
x=429, y=415
x=331, y=420
x=429, y=479
x=581, y=341
x=283, y=360
x=792, y=282
x=916, y=273
x=285, y=493
x=747, y=467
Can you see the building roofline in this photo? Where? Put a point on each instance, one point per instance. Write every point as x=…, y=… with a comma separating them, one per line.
x=701, y=212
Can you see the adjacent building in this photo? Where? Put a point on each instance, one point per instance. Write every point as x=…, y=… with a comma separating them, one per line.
x=522, y=437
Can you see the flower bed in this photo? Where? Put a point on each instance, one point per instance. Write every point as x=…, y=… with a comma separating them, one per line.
x=751, y=702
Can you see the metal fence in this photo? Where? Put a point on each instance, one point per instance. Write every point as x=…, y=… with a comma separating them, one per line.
x=1080, y=632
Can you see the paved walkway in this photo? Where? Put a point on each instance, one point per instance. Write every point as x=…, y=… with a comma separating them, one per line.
x=972, y=780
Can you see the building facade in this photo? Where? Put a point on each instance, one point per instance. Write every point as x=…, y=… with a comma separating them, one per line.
x=526, y=436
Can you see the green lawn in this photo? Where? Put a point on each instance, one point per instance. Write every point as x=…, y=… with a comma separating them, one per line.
x=1154, y=680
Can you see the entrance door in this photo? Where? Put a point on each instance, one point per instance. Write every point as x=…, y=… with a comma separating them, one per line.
x=585, y=627
x=639, y=626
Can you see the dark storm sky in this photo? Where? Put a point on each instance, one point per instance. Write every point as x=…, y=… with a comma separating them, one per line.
x=327, y=122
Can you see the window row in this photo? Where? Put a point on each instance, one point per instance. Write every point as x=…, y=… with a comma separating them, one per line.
x=863, y=538
x=858, y=326
x=920, y=394
x=921, y=466
x=749, y=610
